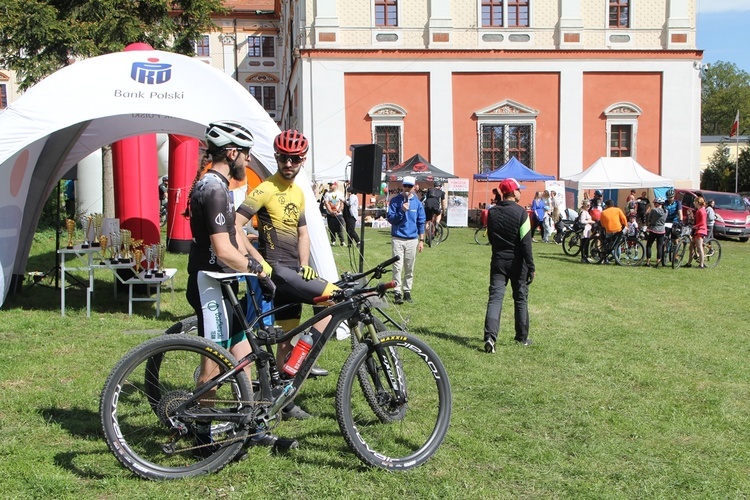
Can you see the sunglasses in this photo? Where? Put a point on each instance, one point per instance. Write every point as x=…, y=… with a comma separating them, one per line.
x=245, y=151
x=296, y=159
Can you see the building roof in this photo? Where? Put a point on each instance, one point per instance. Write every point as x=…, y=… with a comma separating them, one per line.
x=245, y=6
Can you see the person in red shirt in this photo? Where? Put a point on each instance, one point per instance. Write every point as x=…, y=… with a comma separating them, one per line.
x=700, y=231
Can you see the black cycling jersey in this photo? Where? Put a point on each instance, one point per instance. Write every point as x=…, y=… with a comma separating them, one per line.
x=434, y=199
x=211, y=212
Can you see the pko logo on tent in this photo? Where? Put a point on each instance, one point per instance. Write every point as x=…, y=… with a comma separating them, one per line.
x=151, y=72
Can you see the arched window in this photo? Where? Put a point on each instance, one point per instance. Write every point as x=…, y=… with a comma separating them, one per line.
x=388, y=131
x=622, y=129
x=505, y=129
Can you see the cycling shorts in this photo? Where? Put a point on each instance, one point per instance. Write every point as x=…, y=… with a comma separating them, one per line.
x=291, y=288
x=216, y=321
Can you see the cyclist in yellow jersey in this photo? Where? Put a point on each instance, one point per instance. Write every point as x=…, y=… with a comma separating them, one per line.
x=283, y=238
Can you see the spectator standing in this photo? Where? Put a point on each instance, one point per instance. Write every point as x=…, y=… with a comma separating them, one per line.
x=656, y=218
x=596, y=205
x=509, y=232
x=584, y=217
x=351, y=216
x=700, y=230
x=631, y=204
x=641, y=207
x=537, y=209
x=407, y=217
x=710, y=217
x=334, y=205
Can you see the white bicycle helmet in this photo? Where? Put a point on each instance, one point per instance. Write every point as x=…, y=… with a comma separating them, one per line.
x=223, y=133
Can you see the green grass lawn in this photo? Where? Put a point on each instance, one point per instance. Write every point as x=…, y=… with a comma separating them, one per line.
x=636, y=386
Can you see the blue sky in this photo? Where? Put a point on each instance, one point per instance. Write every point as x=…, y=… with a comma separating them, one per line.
x=724, y=31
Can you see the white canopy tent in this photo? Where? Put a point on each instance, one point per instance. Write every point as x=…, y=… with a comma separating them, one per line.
x=616, y=173
x=95, y=102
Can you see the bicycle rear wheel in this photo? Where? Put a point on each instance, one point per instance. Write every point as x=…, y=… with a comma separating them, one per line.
x=148, y=435
x=630, y=253
x=445, y=231
x=437, y=237
x=712, y=251
x=571, y=243
x=416, y=381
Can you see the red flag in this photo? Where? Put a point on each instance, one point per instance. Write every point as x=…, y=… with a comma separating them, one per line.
x=735, y=125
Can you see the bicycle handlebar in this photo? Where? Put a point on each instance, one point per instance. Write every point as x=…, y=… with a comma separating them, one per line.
x=377, y=271
x=343, y=294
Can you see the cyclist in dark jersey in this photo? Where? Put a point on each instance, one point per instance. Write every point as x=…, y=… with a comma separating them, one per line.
x=283, y=239
x=214, y=249
x=434, y=202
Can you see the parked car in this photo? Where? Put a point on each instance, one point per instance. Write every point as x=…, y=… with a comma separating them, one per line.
x=732, y=215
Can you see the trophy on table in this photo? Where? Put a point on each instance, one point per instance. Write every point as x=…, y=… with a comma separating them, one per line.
x=103, y=240
x=70, y=225
x=126, y=240
x=160, y=250
x=85, y=223
x=149, y=261
x=114, y=247
x=96, y=220
x=137, y=253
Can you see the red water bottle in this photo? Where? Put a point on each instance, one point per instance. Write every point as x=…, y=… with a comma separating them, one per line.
x=299, y=353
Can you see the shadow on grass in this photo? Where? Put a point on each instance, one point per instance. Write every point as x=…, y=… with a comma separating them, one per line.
x=426, y=334
x=79, y=423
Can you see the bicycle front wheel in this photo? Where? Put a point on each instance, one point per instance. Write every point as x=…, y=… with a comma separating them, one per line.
x=630, y=253
x=678, y=258
x=417, y=381
x=371, y=380
x=712, y=252
x=150, y=436
x=480, y=236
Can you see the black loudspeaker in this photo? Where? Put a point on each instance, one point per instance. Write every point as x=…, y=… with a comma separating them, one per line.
x=367, y=162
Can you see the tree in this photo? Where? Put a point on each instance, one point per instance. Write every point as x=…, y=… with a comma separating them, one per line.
x=725, y=90
x=39, y=37
x=720, y=173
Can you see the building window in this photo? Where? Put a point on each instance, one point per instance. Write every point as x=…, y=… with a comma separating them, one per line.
x=266, y=96
x=388, y=131
x=620, y=141
x=3, y=96
x=501, y=142
x=494, y=13
x=261, y=46
x=389, y=138
x=386, y=12
x=619, y=14
x=202, y=47
x=622, y=129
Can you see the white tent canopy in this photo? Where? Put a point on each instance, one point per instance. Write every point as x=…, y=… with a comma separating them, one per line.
x=616, y=173
x=95, y=102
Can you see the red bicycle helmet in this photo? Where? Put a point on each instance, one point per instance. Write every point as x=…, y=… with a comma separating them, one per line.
x=290, y=142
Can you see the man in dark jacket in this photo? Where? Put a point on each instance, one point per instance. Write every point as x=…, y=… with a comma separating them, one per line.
x=509, y=232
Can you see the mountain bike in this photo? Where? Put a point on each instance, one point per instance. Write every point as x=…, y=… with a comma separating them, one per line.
x=625, y=251
x=357, y=332
x=152, y=406
x=711, y=250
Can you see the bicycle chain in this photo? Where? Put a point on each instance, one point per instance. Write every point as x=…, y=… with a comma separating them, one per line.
x=229, y=440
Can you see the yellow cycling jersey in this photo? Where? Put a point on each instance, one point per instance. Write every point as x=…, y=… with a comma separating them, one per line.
x=281, y=211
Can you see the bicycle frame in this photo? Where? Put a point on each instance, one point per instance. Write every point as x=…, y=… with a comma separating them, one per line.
x=338, y=312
